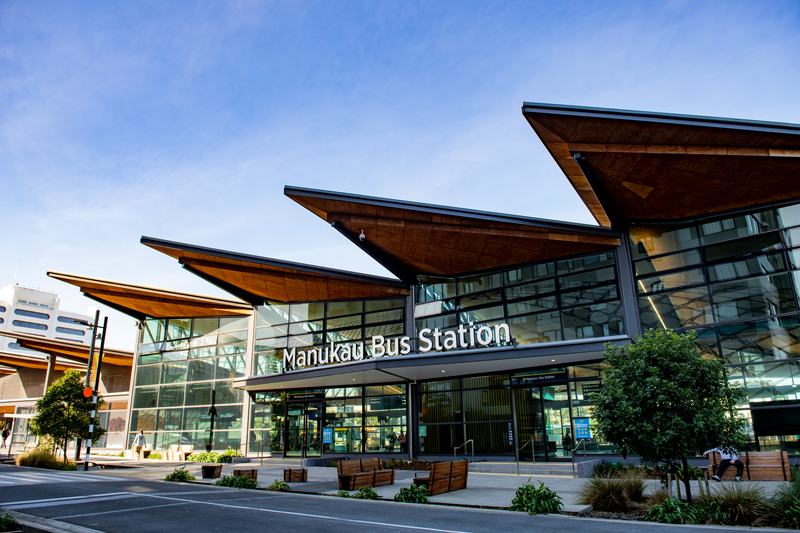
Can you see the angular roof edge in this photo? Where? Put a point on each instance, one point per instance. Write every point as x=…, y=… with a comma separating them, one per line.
x=452, y=211
x=664, y=118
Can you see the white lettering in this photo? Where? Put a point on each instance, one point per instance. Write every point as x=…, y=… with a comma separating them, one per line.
x=358, y=355
x=335, y=353
x=378, y=349
x=288, y=359
x=423, y=338
x=301, y=358
x=450, y=340
x=312, y=357
x=393, y=350
x=506, y=331
x=471, y=335
x=323, y=360
x=406, y=347
x=488, y=340
x=462, y=340
x=346, y=353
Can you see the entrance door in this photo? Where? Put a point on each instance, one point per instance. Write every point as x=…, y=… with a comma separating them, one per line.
x=303, y=429
x=543, y=422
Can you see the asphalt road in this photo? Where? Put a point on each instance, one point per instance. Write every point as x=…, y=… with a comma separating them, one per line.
x=123, y=505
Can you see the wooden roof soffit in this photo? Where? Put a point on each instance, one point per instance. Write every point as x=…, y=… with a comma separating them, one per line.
x=257, y=279
x=648, y=166
x=410, y=239
x=69, y=350
x=141, y=302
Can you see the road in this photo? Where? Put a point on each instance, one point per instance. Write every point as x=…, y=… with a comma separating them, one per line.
x=114, y=504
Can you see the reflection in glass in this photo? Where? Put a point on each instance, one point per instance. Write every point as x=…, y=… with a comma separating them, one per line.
x=690, y=307
x=754, y=297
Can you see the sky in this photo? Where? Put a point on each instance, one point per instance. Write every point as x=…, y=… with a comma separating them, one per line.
x=185, y=120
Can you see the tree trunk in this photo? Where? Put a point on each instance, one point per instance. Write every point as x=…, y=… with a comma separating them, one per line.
x=66, y=444
x=687, y=481
x=77, y=449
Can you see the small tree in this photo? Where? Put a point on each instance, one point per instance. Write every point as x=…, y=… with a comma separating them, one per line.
x=63, y=412
x=663, y=402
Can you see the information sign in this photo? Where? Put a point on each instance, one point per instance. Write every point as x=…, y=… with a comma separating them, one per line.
x=582, y=429
x=327, y=435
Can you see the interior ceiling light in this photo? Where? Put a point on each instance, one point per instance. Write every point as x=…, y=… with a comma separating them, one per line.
x=442, y=371
x=553, y=360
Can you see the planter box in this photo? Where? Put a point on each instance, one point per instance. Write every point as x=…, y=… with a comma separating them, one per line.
x=211, y=471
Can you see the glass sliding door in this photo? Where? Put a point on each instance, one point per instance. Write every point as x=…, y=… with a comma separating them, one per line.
x=543, y=423
x=303, y=429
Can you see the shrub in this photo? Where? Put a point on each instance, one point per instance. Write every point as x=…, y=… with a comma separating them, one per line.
x=795, y=472
x=671, y=511
x=393, y=464
x=412, y=494
x=332, y=464
x=536, y=500
x=154, y=456
x=604, y=494
x=613, y=469
x=343, y=494
x=744, y=502
x=633, y=481
x=227, y=455
x=43, y=459
x=791, y=516
x=204, y=457
x=7, y=522
x=180, y=475
x=711, y=511
x=785, y=499
x=237, y=482
x=366, y=493
x=657, y=497
x=279, y=485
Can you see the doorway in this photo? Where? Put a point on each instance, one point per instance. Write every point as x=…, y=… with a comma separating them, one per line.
x=303, y=429
x=544, y=423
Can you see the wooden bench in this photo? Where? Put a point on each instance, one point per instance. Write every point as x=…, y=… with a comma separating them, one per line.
x=445, y=477
x=357, y=473
x=295, y=475
x=758, y=466
x=252, y=473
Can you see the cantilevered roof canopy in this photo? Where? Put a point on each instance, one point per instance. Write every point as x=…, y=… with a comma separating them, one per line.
x=636, y=165
x=70, y=350
x=255, y=279
x=409, y=238
x=141, y=302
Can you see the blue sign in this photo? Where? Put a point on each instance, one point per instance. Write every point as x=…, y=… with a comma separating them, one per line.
x=582, y=430
x=327, y=435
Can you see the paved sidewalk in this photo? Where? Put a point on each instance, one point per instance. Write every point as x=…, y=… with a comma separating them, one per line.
x=491, y=490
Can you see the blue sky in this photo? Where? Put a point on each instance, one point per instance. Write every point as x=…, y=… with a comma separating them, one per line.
x=184, y=120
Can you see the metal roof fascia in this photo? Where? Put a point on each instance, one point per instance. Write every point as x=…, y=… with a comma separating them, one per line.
x=367, y=278
x=453, y=211
x=664, y=118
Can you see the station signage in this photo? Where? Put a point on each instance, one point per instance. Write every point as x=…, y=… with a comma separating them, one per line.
x=464, y=337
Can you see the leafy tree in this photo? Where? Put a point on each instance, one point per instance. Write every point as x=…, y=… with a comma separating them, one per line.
x=63, y=412
x=663, y=402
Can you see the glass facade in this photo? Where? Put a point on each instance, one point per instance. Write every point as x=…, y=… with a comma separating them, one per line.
x=317, y=325
x=734, y=280
x=183, y=365
x=576, y=298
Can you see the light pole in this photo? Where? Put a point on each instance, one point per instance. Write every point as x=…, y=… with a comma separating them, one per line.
x=88, y=390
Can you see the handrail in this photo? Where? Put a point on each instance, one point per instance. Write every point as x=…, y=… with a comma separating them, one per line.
x=533, y=455
x=473, y=449
x=581, y=442
x=260, y=453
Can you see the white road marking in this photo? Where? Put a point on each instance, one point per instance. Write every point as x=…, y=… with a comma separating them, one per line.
x=36, y=505
x=119, y=511
x=32, y=478
x=69, y=498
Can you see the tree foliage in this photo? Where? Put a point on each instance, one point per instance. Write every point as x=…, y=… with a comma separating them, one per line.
x=663, y=402
x=63, y=412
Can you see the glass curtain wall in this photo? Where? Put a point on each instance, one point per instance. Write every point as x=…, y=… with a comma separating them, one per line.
x=734, y=280
x=572, y=299
x=182, y=364
x=318, y=324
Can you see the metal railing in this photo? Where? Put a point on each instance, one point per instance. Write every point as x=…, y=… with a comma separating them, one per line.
x=473, y=449
x=260, y=453
x=582, y=442
x=533, y=456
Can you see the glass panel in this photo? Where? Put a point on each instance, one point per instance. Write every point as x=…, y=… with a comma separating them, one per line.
x=738, y=226
x=440, y=406
x=345, y=440
x=171, y=396
x=197, y=418
x=533, y=329
x=269, y=315
x=588, y=296
x=386, y=329
x=763, y=340
x=144, y=420
x=666, y=282
x=344, y=322
x=771, y=382
x=269, y=363
x=233, y=323
x=691, y=307
x=230, y=367
x=204, y=326
x=789, y=216
x=384, y=316
x=582, y=279
x=487, y=404
x=432, y=288
x=654, y=239
x=197, y=353
x=738, y=248
x=198, y=394
x=585, y=263
x=145, y=397
x=378, y=305
x=599, y=320
x=767, y=295
x=342, y=308
x=179, y=328
x=268, y=332
x=230, y=349
x=482, y=282
x=226, y=393
x=147, y=375
x=753, y=266
x=176, y=356
x=441, y=322
x=236, y=336
x=668, y=262
x=153, y=330
x=480, y=315
x=592, y=370
x=149, y=359
x=344, y=413
x=170, y=419
x=530, y=273
x=483, y=298
x=531, y=289
x=532, y=305
x=173, y=373
x=201, y=370
x=270, y=344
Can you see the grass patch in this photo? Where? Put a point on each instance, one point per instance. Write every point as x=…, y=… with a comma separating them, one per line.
x=43, y=459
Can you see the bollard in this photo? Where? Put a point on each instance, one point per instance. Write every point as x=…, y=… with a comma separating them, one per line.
x=669, y=484
x=700, y=485
x=678, y=487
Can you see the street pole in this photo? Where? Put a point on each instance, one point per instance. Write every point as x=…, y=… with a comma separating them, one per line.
x=96, y=390
x=88, y=376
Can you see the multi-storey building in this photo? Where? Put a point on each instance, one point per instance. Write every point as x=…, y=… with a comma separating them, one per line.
x=492, y=330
